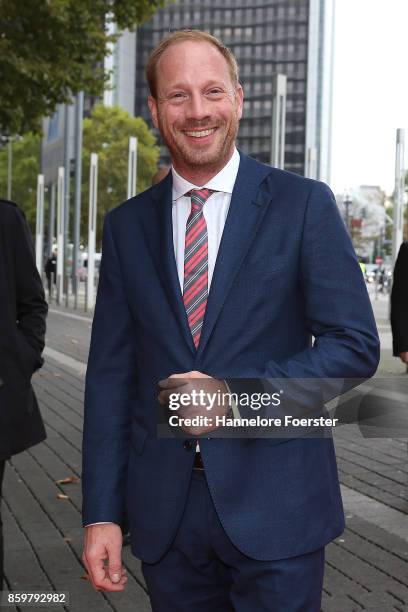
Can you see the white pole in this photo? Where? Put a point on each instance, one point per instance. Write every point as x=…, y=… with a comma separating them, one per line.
x=398, y=195
x=311, y=162
x=39, y=228
x=279, y=87
x=93, y=200
x=132, y=167
x=60, y=233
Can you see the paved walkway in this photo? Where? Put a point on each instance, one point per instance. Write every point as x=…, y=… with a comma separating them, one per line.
x=366, y=568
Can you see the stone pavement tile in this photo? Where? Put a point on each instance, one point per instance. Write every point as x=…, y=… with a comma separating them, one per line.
x=378, y=536
x=72, y=396
x=336, y=582
x=340, y=604
x=55, y=417
x=366, y=560
x=20, y=558
x=378, y=600
x=66, y=452
x=59, y=370
x=58, y=381
x=61, y=404
x=392, y=500
x=68, y=335
x=377, y=554
x=386, y=451
x=363, y=465
x=355, y=569
x=55, y=469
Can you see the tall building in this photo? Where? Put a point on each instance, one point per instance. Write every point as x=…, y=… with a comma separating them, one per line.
x=268, y=37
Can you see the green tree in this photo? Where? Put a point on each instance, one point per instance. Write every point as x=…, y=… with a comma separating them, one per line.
x=26, y=167
x=51, y=49
x=107, y=133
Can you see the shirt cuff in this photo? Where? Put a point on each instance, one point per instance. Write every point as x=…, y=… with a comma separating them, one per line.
x=233, y=406
x=101, y=523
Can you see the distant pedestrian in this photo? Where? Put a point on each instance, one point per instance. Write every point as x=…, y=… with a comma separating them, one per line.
x=23, y=311
x=51, y=272
x=399, y=305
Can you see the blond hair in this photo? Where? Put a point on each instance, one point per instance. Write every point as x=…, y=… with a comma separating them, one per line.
x=182, y=36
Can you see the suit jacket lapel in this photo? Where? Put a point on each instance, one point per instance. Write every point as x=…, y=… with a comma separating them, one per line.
x=159, y=237
x=247, y=208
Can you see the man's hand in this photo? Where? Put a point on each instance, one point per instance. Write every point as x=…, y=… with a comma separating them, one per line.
x=198, y=383
x=404, y=356
x=104, y=543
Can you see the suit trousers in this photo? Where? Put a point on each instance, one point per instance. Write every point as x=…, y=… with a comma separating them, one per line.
x=2, y=466
x=203, y=571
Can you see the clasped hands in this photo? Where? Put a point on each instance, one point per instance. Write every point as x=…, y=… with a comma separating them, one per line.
x=195, y=384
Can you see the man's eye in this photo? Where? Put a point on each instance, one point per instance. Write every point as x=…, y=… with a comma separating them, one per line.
x=215, y=92
x=177, y=96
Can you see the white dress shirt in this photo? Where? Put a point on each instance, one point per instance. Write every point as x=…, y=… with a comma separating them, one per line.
x=215, y=212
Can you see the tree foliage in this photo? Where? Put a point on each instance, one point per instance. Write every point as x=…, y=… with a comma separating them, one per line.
x=107, y=133
x=25, y=168
x=51, y=49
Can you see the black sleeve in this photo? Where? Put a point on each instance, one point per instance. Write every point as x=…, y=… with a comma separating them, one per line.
x=31, y=306
x=399, y=302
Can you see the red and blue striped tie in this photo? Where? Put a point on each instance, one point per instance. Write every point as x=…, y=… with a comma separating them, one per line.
x=195, y=291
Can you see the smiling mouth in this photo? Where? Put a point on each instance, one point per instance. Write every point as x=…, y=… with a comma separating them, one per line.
x=200, y=133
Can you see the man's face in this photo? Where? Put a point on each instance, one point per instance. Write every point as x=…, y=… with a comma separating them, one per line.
x=198, y=107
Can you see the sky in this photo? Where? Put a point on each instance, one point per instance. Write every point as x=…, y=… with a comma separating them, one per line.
x=370, y=91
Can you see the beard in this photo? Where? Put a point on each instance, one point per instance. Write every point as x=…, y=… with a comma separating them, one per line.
x=208, y=157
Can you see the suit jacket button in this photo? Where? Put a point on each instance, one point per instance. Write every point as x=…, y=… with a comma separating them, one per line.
x=188, y=445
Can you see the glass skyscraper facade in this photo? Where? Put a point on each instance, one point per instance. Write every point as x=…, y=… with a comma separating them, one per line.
x=290, y=37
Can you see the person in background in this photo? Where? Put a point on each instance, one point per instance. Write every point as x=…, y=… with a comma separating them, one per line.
x=23, y=312
x=399, y=305
x=51, y=272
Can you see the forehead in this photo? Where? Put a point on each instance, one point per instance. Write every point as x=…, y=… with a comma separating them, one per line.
x=191, y=61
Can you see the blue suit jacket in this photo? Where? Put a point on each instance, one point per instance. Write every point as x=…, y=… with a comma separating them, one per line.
x=285, y=270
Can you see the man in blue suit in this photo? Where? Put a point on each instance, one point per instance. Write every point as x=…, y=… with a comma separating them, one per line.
x=222, y=272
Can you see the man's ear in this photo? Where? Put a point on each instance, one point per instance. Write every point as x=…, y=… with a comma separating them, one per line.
x=152, y=103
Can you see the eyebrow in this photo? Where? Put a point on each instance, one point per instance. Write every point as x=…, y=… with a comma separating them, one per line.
x=211, y=83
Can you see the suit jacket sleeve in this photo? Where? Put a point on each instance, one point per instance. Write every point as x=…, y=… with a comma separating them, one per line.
x=337, y=310
x=110, y=381
x=399, y=302
x=30, y=300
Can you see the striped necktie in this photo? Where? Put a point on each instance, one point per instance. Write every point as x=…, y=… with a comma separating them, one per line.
x=195, y=290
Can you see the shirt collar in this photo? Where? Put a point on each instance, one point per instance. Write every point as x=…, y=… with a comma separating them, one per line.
x=223, y=181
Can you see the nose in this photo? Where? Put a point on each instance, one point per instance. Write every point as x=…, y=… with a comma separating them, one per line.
x=197, y=107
